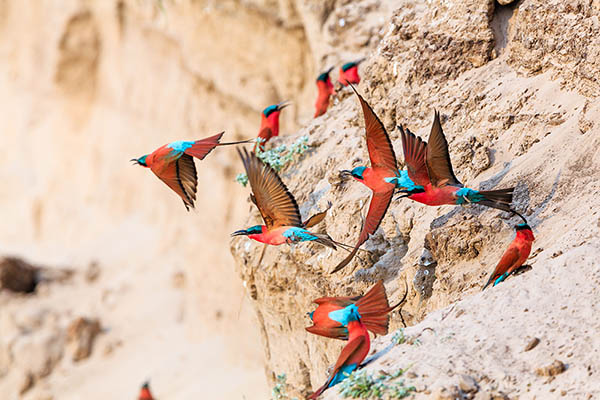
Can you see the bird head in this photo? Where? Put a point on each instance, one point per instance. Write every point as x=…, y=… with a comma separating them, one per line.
x=353, y=314
x=145, y=392
x=356, y=173
x=253, y=230
x=272, y=112
x=310, y=314
x=525, y=231
x=140, y=161
x=324, y=82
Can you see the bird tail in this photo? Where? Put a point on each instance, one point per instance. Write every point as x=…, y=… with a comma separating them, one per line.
x=324, y=239
x=499, y=199
x=239, y=142
x=374, y=308
x=321, y=389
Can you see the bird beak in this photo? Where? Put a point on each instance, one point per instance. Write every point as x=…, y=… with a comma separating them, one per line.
x=345, y=174
x=330, y=69
x=135, y=161
x=239, y=233
x=283, y=105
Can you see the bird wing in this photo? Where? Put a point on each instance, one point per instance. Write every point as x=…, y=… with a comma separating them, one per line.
x=317, y=218
x=509, y=258
x=437, y=157
x=414, y=149
x=379, y=145
x=202, y=147
x=338, y=332
x=274, y=201
x=338, y=301
x=377, y=209
x=347, y=352
x=180, y=176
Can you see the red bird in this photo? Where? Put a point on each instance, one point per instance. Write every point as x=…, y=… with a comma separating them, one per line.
x=430, y=180
x=325, y=88
x=269, y=124
x=353, y=353
x=329, y=319
x=383, y=166
x=173, y=164
x=145, y=392
x=516, y=254
x=349, y=73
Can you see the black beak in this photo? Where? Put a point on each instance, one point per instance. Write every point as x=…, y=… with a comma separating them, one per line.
x=345, y=172
x=330, y=69
x=242, y=232
x=135, y=161
x=283, y=105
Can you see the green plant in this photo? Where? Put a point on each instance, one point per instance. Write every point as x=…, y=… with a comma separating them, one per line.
x=278, y=157
x=279, y=391
x=399, y=337
x=362, y=385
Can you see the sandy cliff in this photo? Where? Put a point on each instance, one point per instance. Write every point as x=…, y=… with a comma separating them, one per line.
x=517, y=92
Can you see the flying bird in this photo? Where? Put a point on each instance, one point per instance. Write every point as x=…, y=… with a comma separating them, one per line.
x=330, y=319
x=514, y=256
x=349, y=73
x=269, y=124
x=352, y=354
x=145, y=392
x=377, y=177
x=325, y=88
x=277, y=207
x=174, y=165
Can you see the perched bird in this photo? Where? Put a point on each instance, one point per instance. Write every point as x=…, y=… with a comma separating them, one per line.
x=349, y=73
x=331, y=316
x=145, y=392
x=325, y=88
x=173, y=164
x=514, y=256
x=429, y=178
x=383, y=167
x=352, y=354
x=277, y=207
x=269, y=124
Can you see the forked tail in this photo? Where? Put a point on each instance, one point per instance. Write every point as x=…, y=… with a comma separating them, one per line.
x=500, y=199
x=324, y=239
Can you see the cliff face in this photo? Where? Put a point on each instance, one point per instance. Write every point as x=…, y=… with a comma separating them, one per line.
x=516, y=90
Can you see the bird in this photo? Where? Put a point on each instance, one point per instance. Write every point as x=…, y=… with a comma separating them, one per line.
x=277, y=207
x=145, y=392
x=515, y=255
x=383, y=166
x=429, y=178
x=330, y=317
x=325, y=88
x=173, y=164
x=269, y=124
x=352, y=354
x=349, y=73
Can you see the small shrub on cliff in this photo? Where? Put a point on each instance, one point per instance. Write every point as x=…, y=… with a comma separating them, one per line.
x=362, y=385
x=279, y=391
x=278, y=157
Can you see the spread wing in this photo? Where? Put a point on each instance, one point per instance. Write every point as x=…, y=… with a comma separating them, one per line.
x=438, y=158
x=317, y=218
x=380, y=147
x=414, y=149
x=509, y=258
x=348, y=352
x=377, y=209
x=275, y=203
x=179, y=175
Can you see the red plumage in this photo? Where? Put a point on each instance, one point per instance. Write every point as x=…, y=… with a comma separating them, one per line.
x=145, y=392
x=515, y=255
x=325, y=89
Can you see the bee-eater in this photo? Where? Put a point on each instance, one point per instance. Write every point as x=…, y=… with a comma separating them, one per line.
x=429, y=178
x=173, y=164
x=377, y=177
x=331, y=316
x=352, y=354
x=269, y=123
x=514, y=256
x=349, y=73
x=277, y=207
x=325, y=88
x=145, y=392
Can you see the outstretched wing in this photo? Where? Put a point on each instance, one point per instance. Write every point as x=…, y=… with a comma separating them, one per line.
x=317, y=218
x=377, y=209
x=414, y=149
x=179, y=175
x=274, y=201
x=379, y=145
x=437, y=157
